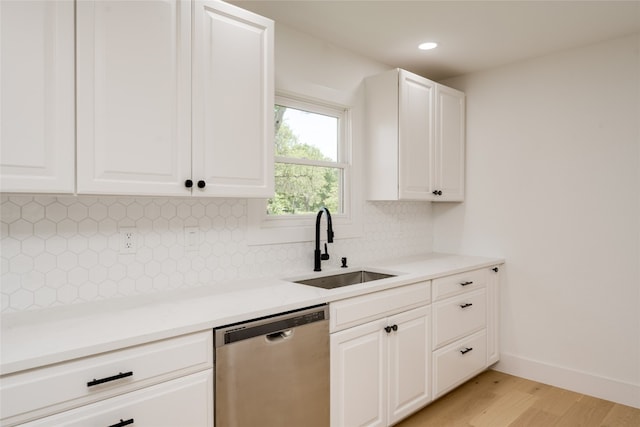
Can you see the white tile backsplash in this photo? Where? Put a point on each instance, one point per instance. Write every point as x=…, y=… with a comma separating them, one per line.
x=66, y=249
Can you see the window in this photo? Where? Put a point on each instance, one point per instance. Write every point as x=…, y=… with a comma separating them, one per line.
x=313, y=168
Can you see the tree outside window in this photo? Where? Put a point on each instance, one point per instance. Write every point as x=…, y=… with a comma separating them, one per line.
x=309, y=167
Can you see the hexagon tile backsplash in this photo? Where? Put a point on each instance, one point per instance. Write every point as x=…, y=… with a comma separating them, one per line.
x=60, y=250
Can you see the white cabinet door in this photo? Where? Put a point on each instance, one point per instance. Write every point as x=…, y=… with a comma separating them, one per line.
x=233, y=101
x=449, y=145
x=359, y=376
x=134, y=97
x=409, y=363
x=380, y=371
x=186, y=401
x=493, y=316
x=37, y=91
x=415, y=134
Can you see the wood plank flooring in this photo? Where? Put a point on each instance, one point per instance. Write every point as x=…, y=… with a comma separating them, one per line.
x=495, y=399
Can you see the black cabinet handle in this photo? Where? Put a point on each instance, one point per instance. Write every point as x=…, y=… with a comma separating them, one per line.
x=122, y=423
x=495, y=269
x=466, y=283
x=468, y=304
x=201, y=184
x=106, y=380
x=388, y=329
x=188, y=183
x=437, y=192
x=466, y=350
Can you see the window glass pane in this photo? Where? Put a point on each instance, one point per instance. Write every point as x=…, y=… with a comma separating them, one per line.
x=305, y=135
x=304, y=189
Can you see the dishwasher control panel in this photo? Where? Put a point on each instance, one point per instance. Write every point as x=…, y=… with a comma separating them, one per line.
x=271, y=324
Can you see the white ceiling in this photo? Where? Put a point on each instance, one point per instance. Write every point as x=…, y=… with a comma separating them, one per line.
x=473, y=35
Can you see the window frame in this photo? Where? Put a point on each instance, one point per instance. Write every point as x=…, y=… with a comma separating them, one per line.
x=289, y=228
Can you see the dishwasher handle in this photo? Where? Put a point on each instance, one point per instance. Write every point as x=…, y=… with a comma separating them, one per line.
x=279, y=336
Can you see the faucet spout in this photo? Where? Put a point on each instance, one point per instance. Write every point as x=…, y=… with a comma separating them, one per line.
x=317, y=256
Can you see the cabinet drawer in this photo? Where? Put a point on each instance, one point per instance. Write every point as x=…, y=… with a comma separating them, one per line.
x=186, y=401
x=456, y=317
x=458, y=362
x=43, y=391
x=355, y=311
x=448, y=286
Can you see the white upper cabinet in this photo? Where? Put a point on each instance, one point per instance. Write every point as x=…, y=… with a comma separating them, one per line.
x=162, y=113
x=449, y=144
x=233, y=98
x=134, y=114
x=37, y=91
x=415, y=136
x=134, y=105
x=415, y=139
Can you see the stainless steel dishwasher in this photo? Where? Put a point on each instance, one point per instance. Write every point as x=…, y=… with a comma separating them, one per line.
x=274, y=371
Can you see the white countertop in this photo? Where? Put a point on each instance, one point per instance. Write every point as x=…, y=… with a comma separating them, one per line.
x=41, y=337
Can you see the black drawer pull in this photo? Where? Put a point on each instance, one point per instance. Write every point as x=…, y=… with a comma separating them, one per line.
x=466, y=305
x=466, y=350
x=113, y=378
x=466, y=283
x=122, y=423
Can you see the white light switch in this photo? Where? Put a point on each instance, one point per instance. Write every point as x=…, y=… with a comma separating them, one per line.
x=191, y=238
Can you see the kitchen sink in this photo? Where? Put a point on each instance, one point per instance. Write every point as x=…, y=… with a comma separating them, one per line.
x=344, y=279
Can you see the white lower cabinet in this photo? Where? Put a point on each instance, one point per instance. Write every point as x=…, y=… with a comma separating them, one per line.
x=459, y=316
x=186, y=401
x=409, y=357
x=493, y=316
x=358, y=376
x=174, y=376
x=380, y=370
x=465, y=327
x=387, y=366
x=458, y=362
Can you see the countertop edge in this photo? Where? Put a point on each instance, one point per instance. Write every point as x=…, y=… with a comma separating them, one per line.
x=32, y=339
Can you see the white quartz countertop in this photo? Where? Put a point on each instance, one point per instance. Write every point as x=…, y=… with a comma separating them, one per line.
x=37, y=338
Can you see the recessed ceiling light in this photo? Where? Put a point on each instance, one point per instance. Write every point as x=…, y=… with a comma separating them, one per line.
x=428, y=46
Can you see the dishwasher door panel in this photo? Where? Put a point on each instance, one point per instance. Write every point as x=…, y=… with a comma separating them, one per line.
x=275, y=380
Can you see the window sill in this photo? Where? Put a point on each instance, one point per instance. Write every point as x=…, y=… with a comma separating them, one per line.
x=269, y=231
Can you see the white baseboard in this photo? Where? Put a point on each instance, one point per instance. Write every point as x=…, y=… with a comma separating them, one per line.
x=580, y=382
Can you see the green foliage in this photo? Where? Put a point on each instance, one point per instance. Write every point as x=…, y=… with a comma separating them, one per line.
x=301, y=189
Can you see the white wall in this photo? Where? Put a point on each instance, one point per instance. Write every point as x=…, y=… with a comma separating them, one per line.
x=553, y=185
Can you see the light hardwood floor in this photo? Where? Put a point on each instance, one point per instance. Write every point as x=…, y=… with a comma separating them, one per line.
x=495, y=399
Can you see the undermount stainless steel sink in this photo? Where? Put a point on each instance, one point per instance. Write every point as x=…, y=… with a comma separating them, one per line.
x=344, y=279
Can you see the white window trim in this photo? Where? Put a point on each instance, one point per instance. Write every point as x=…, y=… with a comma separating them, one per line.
x=263, y=229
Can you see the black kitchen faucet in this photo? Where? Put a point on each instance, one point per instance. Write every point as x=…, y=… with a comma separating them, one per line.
x=317, y=257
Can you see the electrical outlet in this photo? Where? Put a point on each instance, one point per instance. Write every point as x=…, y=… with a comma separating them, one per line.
x=128, y=240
